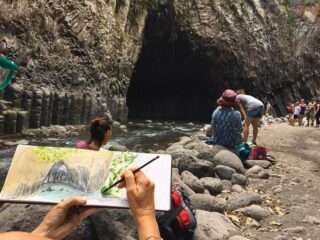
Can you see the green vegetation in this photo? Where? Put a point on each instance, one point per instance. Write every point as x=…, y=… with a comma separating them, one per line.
x=118, y=165
x=52, y=154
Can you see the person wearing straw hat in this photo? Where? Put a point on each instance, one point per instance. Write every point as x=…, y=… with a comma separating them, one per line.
x=226, y=122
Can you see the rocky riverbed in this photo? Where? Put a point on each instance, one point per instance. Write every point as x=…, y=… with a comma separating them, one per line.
x=254, y=200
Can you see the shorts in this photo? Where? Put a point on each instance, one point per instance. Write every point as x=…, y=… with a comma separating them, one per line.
x=256, y=112
x=295, y=116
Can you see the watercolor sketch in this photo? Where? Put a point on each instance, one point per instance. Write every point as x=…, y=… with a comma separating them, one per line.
x=52, y=173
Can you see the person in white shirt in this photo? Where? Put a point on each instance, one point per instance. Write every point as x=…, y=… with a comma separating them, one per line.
x=252, y=111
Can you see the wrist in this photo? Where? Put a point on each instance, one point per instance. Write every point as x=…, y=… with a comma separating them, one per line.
x=145, y=219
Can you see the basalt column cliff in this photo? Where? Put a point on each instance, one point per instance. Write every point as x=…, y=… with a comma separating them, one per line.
x=164, y=59
x=194, y=49
x=76, y=58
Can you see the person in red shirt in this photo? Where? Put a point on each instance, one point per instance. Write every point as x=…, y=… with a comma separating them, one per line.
x=290, y=110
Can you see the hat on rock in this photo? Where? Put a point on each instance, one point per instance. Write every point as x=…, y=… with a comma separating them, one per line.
x=228, y=98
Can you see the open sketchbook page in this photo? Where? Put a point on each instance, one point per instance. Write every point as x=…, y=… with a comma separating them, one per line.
x=49, y=174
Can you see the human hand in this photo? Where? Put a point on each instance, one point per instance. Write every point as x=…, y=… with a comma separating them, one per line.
x=140, y=193
x=64, y=218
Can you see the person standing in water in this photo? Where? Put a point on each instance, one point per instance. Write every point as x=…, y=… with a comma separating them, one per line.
x=252, y=111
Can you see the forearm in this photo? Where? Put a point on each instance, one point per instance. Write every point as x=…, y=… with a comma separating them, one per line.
x=148, y=228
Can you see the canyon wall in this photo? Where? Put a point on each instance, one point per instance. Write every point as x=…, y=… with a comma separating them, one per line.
x=201, y=47
x=166, y=59
x=76, y=57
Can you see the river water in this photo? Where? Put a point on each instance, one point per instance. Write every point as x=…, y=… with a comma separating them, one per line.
x=139, y=137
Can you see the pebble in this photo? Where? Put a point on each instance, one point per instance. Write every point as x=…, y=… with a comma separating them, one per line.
x=311, y=220
x=237, y=188
x=295, y=230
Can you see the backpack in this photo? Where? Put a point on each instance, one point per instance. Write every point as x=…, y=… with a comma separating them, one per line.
x=258, y=153
x=178, y=223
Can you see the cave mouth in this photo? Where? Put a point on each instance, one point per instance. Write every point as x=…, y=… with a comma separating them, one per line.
x=175, y=79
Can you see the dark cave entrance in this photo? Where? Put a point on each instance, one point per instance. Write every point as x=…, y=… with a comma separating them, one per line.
x=175, y=78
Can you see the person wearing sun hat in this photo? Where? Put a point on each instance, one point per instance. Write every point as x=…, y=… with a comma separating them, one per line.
x=226, y=122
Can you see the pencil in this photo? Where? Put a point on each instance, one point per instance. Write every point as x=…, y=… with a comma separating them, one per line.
x=122, y=179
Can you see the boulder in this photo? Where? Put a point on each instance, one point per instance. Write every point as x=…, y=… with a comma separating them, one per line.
x=176, y=179
x=183, y=155
x=257, y=172
x=204, y=150
x=214, y=185
x=237, y=188
x=118, y=147
x=239, y=179
x=213, y=226
x=238, y=237
x=207, y=129
x=261, y=163
x=121, y=227
x=199, y=168
x=208, y=203
x=25, y=217
x=224, y=172
x=199, y=137
x=243, y=199
x=174, y=147
x=228, y=158
x=226, y=185
x=192, y=181
x=254, y=211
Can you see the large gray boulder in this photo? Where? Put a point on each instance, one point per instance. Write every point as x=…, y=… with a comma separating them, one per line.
x=200, y=168
x=114, y=224
x=213, y=226
x=192, y=181
x=176, y=180
x=25, y=217
x=224, y=172
x=243, y=199
x=239, y=179
x=214, y=185
x=208, y=203
x=261, y=163
x=257, y=172
x=228, y=158
x=183, y=155
x=118, y=147
x=204, y=150
x=254, y=211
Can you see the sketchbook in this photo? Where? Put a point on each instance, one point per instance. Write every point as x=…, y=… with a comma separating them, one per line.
x=50, y=174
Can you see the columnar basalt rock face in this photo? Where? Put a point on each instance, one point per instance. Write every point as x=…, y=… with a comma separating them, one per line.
x=81, y=55
x=82, y=52
x=202, y=47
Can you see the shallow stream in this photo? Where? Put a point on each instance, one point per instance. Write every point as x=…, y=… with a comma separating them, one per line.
x=138, y=137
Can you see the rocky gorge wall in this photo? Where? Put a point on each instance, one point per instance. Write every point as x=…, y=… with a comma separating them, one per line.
x=75, y=57
x=201, y=47
x=79, y=59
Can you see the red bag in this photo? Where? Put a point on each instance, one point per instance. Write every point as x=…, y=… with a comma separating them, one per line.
x=258, y=153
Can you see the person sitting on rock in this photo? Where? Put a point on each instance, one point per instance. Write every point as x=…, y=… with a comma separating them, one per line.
x=101, y=131
x=252, y=111
x=63, y=218
x=226, y=122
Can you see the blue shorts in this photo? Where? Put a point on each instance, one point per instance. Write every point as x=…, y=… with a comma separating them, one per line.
x=256, y=112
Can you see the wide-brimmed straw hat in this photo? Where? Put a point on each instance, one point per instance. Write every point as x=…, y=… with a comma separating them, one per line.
x=228, y=98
